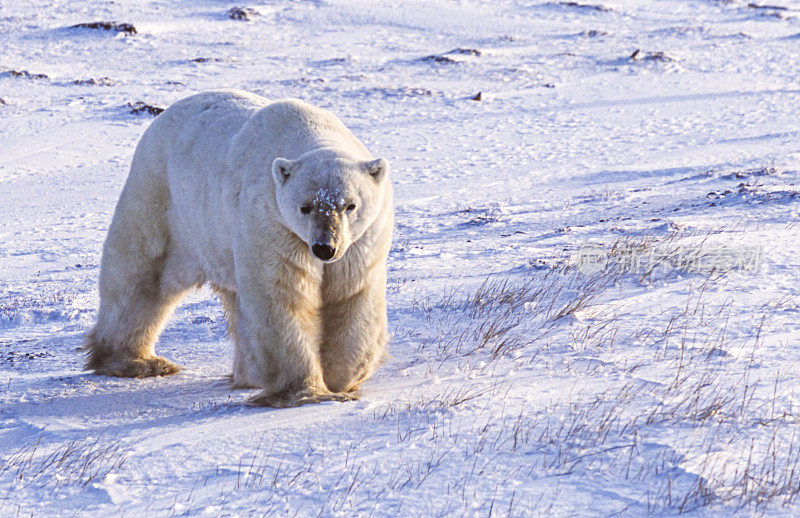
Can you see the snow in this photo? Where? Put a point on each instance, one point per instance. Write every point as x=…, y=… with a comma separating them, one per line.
x=518, y=385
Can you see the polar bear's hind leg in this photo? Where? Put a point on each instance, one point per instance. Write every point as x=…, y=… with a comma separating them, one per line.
x=129, y=322
x=139, y=288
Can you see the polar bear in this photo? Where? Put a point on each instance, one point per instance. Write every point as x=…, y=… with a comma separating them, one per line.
x=284, y=212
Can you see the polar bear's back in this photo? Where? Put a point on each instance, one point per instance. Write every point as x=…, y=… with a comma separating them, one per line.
x=221, y=129
x=200, y=128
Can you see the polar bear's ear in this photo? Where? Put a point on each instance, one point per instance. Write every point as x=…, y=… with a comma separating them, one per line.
x=282, y=170
x=377, y=168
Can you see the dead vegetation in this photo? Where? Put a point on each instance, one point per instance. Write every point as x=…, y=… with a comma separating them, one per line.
x=24, y=74
x=208, y=60
x=768, y=7
x=692, y=370
x=465, y=52
x=243, y=14
x=592, y=7
x=127, y=29
x=407, y=91
x=446, y=59
x=139, y=107
x=766, y=170
x=502, y=318
x=595, y=33
x=13, y=358
x=21, y=308
x=439, y=58
x=99, y=81
x=78, y=462
x=640, y=55
x=481, y=215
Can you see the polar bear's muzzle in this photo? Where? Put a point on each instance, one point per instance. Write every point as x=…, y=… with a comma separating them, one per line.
x=323, y=251
x=329, y=234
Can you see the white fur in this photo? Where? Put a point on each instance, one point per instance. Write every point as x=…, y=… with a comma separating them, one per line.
x=214, y=195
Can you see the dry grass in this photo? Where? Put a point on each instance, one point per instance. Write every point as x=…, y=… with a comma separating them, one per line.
x=18, y=308
x=691, y=369
x=78, y=462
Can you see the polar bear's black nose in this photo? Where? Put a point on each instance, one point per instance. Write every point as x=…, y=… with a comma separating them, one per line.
x=322, y=251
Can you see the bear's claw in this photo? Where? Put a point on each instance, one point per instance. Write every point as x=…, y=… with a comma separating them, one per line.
x=304, y=397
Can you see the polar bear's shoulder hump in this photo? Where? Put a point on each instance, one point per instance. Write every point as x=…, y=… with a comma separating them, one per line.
x=225, y=99
x=299, y=110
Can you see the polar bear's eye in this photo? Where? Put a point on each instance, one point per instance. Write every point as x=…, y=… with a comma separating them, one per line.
x=351, y=207
x=305, y=209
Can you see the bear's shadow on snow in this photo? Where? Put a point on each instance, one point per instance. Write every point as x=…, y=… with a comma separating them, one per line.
x=129, y=403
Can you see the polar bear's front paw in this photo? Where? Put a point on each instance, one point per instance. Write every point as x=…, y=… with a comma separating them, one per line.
x=136, y=368
x=294, y=398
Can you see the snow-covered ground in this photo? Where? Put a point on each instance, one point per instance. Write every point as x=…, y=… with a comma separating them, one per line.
x=660, y=136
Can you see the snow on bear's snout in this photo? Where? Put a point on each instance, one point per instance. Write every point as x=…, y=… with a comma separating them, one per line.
x=328, y=200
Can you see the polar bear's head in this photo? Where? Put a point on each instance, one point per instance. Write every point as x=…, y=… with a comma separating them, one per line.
x=329, y=199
